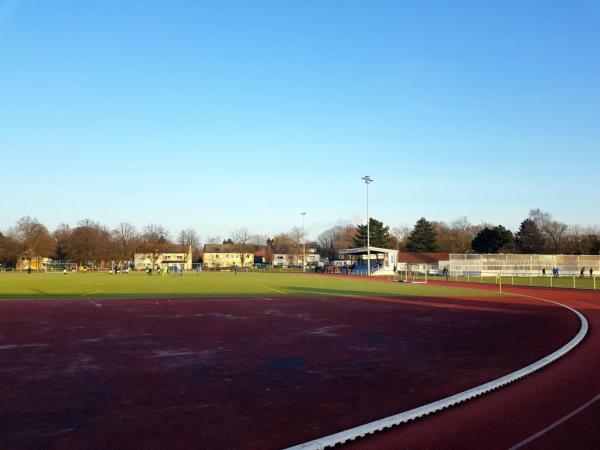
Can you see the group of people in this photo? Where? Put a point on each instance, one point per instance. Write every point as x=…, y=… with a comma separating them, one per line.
x=115, y=268
x=555, y=272
x=234, y=269
x=165, y=270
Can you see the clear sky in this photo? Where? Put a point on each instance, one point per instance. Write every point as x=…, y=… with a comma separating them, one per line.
x=215, y=115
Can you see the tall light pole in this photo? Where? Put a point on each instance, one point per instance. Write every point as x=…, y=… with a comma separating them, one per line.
x=368, y=180
x=303, y=245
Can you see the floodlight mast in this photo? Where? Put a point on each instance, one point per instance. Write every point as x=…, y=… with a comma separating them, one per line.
x=368, y=180
x=303, y=245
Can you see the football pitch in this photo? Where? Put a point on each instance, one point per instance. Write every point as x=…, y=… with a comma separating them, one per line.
x=207, y=284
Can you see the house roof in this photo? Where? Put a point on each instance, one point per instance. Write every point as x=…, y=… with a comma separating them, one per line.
x=163, y=248
x=221, y=248
x=363, y=250
x=422, y=258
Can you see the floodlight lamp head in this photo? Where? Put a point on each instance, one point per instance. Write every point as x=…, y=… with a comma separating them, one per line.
x=367, y=179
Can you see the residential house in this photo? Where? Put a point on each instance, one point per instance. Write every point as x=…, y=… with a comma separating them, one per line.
x=37, y=263
x=226, y=255
x=169, y=254
x=293, y=257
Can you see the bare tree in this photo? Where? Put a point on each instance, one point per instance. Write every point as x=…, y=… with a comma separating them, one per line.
x=258, y=240
x=555, y=232
x=62, y=236
x=328, y=240
x=241, y=240
x=34, y=239
x=92, y=244
x=297, y=234
x=155, y=234
x=457, y=236
x=399, y=234
x=189, y=241
x=154, y=239
x=336, y=238
x=9, y=251
x=540, y=217
x=127, y=238
x=188, y=238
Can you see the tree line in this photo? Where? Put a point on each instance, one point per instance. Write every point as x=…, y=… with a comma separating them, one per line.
x=92, y=243
x=537, y=233
x=88, y=243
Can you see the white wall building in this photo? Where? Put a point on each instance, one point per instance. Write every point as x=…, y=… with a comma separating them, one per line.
x=170, y=256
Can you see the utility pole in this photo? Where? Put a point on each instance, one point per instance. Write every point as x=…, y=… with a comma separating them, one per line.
x=303, y=245
x=368, y=180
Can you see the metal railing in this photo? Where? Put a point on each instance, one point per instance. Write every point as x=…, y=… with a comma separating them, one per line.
x=518, y=279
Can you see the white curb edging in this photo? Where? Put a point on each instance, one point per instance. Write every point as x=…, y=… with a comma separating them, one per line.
x=421, y=411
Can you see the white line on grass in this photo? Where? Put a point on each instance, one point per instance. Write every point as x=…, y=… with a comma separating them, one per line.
x=273, y=289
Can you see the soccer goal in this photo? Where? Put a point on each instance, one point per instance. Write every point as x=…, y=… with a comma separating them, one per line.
x=413, y=275
x=59, y=267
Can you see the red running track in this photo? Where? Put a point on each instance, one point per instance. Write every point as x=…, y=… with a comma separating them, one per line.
x=249, y=373
x=556, y=408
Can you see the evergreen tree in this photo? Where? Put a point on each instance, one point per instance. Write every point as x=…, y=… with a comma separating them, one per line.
x=379, y=234
x=594, y=248
x=423, y=237
x=492, y=240
x=529, y=239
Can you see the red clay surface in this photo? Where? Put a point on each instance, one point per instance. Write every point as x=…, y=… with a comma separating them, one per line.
x=258, y=373
x=513, y=414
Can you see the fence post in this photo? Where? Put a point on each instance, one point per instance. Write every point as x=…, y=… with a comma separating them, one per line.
x=594, y=282
x=574, y=282
x=530, y=280
x=468, y=277
x=512, y=277
x=551, y=281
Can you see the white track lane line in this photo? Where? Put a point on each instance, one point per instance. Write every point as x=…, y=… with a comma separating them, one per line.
x=96, y=304
x=447, y=402
x=555, y=424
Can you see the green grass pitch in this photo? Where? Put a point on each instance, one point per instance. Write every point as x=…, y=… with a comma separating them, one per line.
x=572, y=282
x=57, y=285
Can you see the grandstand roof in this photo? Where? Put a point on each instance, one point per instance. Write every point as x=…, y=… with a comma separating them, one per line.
x=363, y=250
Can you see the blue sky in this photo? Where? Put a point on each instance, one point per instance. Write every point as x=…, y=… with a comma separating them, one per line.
x=215, y=115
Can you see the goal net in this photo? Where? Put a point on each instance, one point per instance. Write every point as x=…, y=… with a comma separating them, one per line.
x=53, y=267
x=413, y=275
